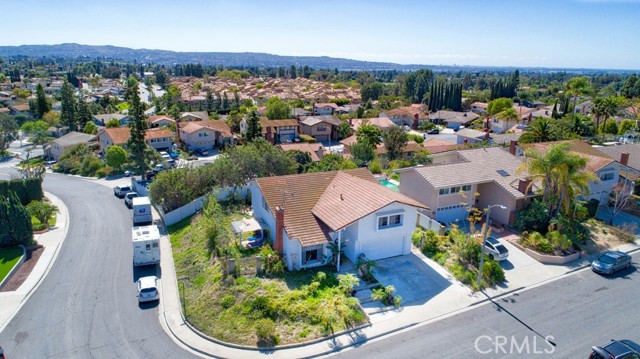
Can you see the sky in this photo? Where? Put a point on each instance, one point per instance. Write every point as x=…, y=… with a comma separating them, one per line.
x=521, y=33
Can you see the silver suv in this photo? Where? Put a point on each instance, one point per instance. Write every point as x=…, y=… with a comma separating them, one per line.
x=495, y=250
x=120, y=191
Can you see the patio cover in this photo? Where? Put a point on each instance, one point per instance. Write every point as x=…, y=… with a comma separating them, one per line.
x=246, y=225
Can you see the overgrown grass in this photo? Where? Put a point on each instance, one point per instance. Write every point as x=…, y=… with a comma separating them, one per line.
x=8, y=258
x=302, y=305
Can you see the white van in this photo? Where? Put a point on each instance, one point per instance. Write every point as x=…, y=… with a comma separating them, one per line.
x=142, y=211
x=146, y=245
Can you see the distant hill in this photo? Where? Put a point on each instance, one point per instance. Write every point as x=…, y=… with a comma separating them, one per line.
x=231, y=59
x=238, y=59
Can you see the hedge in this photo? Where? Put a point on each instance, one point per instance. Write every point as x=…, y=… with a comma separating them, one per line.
x=27, y=190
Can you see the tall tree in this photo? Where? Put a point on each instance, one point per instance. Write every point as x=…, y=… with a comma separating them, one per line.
x=395, y=140
x=42, y=105
x=8, y=131
x=362, y=153
x=576, y=87
x=254, y=130
x=603, y=108
x=137, y=128
x=68, y=106
x=277, y=109
x=369, y=133
x=540, y=130
x=83, y=113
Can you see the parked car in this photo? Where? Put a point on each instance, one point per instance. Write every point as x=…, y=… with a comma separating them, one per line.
x=495, y=249
x=148, y=289
x=202, y=152
x=120, y=191
x=128, y=198
x=159, y=168
x=611, y=261
x=616, y=349
x=172, y=163
x=164, y=154
x=433, y=131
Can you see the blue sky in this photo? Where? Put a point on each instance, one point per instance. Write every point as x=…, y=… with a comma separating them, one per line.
x=546, y=33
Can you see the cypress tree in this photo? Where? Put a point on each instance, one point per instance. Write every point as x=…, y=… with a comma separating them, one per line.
x=68, y=106
x=137, y=128
x=5, y=223
x=20, y=221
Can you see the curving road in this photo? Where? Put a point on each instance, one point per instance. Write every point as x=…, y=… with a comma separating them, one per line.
x=87, y=307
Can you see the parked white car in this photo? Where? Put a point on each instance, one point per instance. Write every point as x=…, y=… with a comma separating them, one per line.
x=495, y=250
x=148, y=289
x=128, y=198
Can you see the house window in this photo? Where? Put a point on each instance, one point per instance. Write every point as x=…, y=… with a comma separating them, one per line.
x=455, y=189
x=466, y=188
x=444, y=191
x=203, y=134
x=390, y=221
x=264, y=204
x=321, y=128
x=409, y=154
x=606, y=176
x=311, y=254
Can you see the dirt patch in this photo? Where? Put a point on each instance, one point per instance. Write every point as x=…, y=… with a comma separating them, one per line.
x=23, y=272
x=603, y=237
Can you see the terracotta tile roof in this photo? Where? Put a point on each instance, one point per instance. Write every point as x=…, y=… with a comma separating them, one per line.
x=596, y=160
x=435, y=145
x=118, y=135
x=311, y=148
x=478, y=166
x=349, y=141
x=348, y=199
x=407, y=111
x=633, y=149
x=216, y=125
x=157, y=133
x=379, y=122
x=154, y=119
x=285, y=122
x=330, y=104
x=298, y=195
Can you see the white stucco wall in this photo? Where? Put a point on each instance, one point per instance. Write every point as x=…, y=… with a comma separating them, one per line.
x=600, y=190
x=368, y=228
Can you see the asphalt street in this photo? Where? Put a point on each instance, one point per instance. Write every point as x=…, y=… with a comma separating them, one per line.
x=575, y=312
x=87, y=306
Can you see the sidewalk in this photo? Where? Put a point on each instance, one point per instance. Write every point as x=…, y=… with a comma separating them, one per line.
x=455, y=299
x=51, y=241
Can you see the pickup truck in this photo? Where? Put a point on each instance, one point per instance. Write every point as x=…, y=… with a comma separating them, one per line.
x=120, y=191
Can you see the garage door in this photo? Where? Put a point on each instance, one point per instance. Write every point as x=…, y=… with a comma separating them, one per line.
x=452, y=213
x=287, y=137
x=322, y=138
x=382, y=248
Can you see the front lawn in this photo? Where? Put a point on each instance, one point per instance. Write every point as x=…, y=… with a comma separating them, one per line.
x=37, y=226
x=280, y=307
x=459, y=252
x=8, y=258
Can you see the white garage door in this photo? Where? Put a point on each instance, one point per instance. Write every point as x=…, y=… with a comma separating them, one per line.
x=382, y=248
x=452, y=213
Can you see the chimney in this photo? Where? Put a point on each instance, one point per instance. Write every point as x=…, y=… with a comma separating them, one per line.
x=416, y=123
x=523, y=185
x=512, y=147
x=269, y=134
x=278, y=245
x=624, y=158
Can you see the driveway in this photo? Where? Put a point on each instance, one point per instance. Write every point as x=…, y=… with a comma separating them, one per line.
x=415, y=281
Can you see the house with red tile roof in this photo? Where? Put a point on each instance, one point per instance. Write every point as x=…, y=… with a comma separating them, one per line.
x=160, y=121
x=406, y=116
x=158, y=138
x=204, y=134
x=307, y=212
x=315, y=150
x=321, y=109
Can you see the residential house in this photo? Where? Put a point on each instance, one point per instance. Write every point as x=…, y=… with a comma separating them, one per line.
x=324, y=109
x=453, y=119
x=448, y=186
x=479, y=107
x=204, y=134
x=61, y=146
x=102, y=120
x=194, y=116
x=7, y=98
x=160, y=121
x=408, y=152
x=628, y=155
x=434, y=145
x=115, y=136
x=58, y=131
x=20, y=110
x=525, y=115
x=468, y=135
x=159, y=138
x=279, y=131
x=601, y=165
x=406, y=116
x=322, y=128
x=307, y=212
x=382, y=123
x=298, y=112
x=315, y=150
x=584, y=107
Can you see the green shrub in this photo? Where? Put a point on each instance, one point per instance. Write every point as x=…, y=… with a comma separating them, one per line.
x=592, y=207
x=228, y=301
x=386, y=295
x=375, y=167
x=532, y=218
x=395, y=164
x=307, y=138
x=559, y=241
x=416, y=138
x=266, y=332
x=492, y=273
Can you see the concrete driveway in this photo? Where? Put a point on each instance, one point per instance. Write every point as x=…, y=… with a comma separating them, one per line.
x=415, y=281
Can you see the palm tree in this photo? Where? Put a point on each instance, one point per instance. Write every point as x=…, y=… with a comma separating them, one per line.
x=508, y=115
x=540, y=130
x=560, y=174
x=577, y=86
x=604, y=107
x=344, y=130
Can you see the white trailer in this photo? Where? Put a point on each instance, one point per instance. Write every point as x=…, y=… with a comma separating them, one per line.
x=142, y=211
x=146, y=245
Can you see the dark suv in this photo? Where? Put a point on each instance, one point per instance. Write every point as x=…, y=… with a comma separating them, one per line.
x=616, y=349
